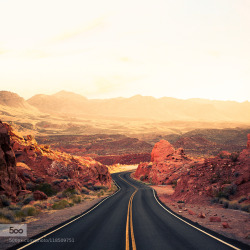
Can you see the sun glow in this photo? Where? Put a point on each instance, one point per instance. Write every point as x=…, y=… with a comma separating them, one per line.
x=104, y=49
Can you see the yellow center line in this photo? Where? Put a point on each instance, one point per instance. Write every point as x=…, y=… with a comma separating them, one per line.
x=130, y=219
x=131, y=225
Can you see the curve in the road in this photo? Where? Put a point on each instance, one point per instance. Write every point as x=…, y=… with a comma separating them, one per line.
x=134, y=207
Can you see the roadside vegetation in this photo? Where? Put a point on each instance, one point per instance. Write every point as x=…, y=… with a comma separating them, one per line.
x=27, y=206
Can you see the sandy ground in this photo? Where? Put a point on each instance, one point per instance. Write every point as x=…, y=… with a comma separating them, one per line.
x=121, y=168
x=47, y=220
x=238, y=221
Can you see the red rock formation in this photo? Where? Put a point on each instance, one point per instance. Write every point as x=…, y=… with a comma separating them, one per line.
x=200, y=180
x=39, y=164
x=9, y=182
x=161, y=151
x=225, y=225
x=167, y=162
x=248, y=141
x=215, y=219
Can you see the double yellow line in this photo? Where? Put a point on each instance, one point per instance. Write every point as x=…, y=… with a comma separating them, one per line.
x=130, y=220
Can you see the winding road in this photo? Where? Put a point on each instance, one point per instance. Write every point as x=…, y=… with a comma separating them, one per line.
x=133, y=218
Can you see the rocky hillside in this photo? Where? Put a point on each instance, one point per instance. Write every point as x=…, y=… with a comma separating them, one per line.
x=26, y=164
x=226, y=176
x=98, y=144
x=13, y=100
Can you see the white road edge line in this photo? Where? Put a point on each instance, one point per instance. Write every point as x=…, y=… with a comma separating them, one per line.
x=73, y=219
x=195, y=226
x=191, y=224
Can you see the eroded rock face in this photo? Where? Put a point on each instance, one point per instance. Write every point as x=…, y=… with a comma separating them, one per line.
x=27, y=164
x=9, y=182
x=200, y=180
x=161, y=151
x=166, y=165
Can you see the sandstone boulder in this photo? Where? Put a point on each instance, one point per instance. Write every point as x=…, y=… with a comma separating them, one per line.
x=161, y=151
x=215, y=219
x=201, y=215
x=225, y=225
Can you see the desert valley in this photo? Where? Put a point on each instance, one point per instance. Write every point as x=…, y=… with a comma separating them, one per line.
x=59, y=151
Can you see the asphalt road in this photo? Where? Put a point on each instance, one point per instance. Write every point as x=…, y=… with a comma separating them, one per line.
x=133, y=218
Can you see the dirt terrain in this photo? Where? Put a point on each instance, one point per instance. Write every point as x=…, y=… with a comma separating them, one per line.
x=230, y=223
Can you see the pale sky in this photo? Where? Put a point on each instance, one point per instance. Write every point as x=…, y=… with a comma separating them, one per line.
x=113, y=48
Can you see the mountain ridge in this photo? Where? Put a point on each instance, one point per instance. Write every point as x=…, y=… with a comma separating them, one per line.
x=138, y=106
x=135, y=107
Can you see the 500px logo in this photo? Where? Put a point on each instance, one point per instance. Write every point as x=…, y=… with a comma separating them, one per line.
x=13, y=230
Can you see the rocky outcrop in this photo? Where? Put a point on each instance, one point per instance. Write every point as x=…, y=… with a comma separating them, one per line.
x=27, y=164
x=200, y=180
x=248, y=141
x=161, y=151
x=166, y=164
x=9, y=182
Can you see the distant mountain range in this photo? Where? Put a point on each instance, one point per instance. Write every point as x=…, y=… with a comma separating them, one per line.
x=136, y=107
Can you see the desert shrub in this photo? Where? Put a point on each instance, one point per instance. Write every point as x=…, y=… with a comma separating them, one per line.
x=242, y=199
x=234, y=205
x=19, y=214
x=234, y=156
x=29, y=210
x=221, y=155
x=142, y=178
x=7, y=215
x=214, y=200
x=69, y=192
x=224, y=202
x=5, y=221
x=84, y=190
x=60, y=195
x=245, y=208
x=46, y=188
x=96, y=188
x=227, y=191
x=14, y=208
x=28, y=199
x=30, y=186
x=76, y=199
x=4, y=201
x=60, y=204
x=174, y=183
x=236, y=174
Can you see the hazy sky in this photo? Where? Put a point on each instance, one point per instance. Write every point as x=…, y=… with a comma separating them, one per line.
x=111, y=48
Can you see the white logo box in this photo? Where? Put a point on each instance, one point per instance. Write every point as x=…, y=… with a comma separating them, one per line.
x=13, y=230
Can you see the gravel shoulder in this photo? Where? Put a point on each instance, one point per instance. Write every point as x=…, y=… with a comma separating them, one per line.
x=236, y=223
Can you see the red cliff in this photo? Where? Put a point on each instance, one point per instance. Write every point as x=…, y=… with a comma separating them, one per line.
x=10, y=184
x=25, y=164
